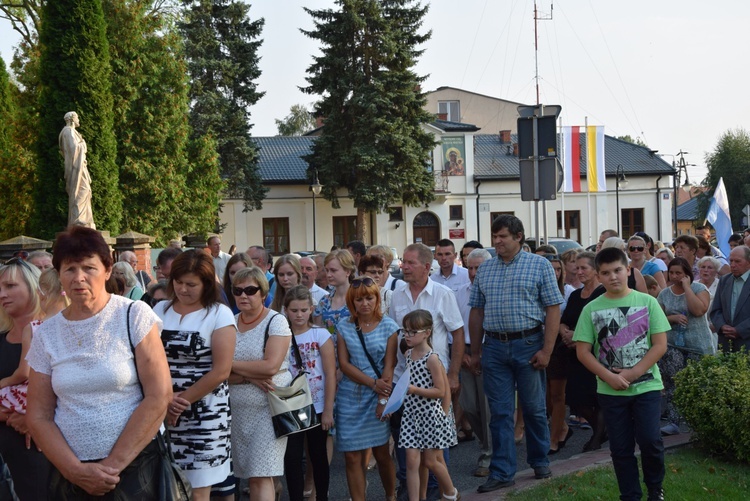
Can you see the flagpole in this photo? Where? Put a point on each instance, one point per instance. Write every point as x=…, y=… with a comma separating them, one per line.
x=588, y=174
x=562, y=197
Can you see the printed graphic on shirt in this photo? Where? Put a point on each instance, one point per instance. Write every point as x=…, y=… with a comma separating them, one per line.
x=622, y=334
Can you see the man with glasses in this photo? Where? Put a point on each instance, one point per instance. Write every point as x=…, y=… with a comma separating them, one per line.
x=163, y=268
x=422, y=293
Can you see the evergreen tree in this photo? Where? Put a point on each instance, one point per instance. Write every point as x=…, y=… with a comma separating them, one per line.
x=164, y=194
x=75, y=75
x=373, y=143
x=730, y=159
x=16, y=164
x=221, y=45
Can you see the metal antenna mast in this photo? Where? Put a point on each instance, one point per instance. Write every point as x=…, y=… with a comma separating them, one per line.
x=536, y=44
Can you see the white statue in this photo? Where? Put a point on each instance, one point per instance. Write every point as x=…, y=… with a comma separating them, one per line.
x=77, y=179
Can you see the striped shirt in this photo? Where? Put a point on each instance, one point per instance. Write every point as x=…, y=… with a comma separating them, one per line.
x=514, y=295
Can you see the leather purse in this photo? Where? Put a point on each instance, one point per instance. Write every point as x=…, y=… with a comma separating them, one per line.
x=292, y=408
x=173, y=484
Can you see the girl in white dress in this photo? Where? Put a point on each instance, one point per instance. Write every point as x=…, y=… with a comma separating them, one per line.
x=427, y=425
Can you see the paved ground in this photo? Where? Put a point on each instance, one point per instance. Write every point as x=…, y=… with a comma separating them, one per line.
x=462, y=463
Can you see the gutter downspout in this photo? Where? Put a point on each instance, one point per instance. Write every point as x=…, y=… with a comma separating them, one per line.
x=658, y=208
x=476, y=189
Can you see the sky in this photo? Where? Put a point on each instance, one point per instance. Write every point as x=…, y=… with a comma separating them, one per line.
x=670, y=72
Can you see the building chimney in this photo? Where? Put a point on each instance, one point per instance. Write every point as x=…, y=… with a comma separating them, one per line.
x=442, y=116
x=504, y=136
x=515, y=149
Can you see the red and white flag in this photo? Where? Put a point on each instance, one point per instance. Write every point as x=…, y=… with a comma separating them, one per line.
x=571, y=137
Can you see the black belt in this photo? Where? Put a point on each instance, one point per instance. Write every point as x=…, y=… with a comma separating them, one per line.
x=512, y=336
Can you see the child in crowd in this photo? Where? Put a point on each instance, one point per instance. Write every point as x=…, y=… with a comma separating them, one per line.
x=427, y=425
x=652, y=285
x=319, y=361
x=13, y=388
x=628, y=332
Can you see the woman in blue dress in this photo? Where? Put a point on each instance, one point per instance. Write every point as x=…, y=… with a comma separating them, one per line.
x=367, y=344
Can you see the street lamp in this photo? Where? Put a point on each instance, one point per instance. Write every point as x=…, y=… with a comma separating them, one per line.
x=621, y=182
x=315, y=187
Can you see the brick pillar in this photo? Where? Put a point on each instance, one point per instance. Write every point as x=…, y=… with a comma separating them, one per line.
x=138, y=243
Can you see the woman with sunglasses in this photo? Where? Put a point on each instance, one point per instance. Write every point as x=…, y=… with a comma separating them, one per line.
x=261, y=363
x=367, y=356
x=21, y=305
x=639, y=259
x=199, y=337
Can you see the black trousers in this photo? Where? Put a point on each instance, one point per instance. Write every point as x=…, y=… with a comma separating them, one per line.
x=317, y=442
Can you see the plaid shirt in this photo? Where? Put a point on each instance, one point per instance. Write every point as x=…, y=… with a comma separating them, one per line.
x=514, y=295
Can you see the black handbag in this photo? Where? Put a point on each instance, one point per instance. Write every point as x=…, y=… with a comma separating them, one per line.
x=292, y=408
x=173, y=484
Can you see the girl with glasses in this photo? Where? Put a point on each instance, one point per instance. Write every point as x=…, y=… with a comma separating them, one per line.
x=260, y=364
x=427, y=425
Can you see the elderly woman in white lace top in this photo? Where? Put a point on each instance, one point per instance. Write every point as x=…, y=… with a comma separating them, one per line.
x=100, y=384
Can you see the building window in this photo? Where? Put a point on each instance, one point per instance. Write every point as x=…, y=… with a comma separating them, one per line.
x=450, y=109
x=344, y=230
x=632, y=222
x=276, y=235
x=572, y=225
x=395, y=213
x=457, y=212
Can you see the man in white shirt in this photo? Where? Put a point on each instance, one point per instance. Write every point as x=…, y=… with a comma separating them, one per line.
x=450, y=274
x=220, y=258
x=422, y=293
x=309, y=272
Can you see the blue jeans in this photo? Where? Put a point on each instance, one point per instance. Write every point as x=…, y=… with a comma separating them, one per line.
x=632, y=419
x=505, y=367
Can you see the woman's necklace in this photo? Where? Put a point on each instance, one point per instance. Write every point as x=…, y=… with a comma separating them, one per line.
x=242, y=317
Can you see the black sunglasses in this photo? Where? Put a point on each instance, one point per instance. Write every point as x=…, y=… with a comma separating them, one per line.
x=366, y=281
x=250, y=290
x=18, y=261
x=636, y=249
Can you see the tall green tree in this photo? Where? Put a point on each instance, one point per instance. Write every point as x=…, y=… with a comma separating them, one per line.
x=730, y=159
x=299, y=121
x=221, y=45
x=166, y=191
x=372, y=143
x=75, y=75
x=16, y=164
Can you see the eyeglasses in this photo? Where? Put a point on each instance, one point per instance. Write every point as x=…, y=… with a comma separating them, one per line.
x=18, y=261
x=411, y=333
x=636, y=249
x=250, y=290
x=366, y=281
x=157, y=268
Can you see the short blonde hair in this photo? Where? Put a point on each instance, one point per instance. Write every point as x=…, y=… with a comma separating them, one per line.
x=345, y=259
x=253, y=273
x=382, y=251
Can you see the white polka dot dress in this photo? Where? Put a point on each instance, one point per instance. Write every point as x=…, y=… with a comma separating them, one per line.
x=424, y=424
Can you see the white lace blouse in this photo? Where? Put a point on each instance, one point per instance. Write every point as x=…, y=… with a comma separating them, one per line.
x=93, y=373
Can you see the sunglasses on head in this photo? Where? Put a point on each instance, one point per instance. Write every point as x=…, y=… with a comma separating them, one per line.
x=250, y=290
x=366, y=281
x=636, y=249
x=17, y=261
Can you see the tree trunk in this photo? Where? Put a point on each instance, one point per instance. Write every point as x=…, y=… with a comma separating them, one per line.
x=362, y=229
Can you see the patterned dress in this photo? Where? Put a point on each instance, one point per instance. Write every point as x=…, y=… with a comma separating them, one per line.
x=424, y=425
x=257, y=452
x=200, y=440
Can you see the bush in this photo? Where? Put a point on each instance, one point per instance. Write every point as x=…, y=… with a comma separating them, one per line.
x=713, y=396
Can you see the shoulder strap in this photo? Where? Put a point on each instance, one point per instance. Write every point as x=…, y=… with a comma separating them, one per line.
x=362, y=340
x=132, y=347
x=265, y=336
x=394, y=283
x=295, y=349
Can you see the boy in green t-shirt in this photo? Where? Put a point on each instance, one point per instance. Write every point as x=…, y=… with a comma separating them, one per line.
x=627, y=330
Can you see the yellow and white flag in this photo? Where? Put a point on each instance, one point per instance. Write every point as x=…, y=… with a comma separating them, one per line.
x=595, y=158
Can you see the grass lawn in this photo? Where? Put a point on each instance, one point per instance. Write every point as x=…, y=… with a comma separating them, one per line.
x=690, y=475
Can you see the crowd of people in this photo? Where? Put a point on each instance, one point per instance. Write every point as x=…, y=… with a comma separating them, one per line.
x=97, y=359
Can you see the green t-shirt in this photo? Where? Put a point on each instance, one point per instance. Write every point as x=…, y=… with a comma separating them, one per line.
x=620, y=331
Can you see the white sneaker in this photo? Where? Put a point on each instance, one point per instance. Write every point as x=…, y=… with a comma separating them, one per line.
x=670, y=429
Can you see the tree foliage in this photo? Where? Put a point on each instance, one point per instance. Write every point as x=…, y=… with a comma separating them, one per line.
x=167, y=192
x=17, y=167
x=75, y=75
x=299, y=121
x=221, y=45
x=629, y=139
x=372, y=143
x=730, y=159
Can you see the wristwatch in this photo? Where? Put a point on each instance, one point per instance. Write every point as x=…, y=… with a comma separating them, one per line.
x=382, y=401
